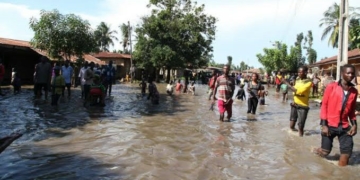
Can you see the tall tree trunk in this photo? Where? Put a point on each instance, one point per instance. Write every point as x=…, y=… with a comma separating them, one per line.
x=168, y=70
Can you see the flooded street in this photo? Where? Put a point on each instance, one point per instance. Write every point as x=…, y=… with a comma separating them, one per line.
x=178, y=139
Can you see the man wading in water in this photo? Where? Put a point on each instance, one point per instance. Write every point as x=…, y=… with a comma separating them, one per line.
x=300, y=106
x=338, y=105
x=226, y=86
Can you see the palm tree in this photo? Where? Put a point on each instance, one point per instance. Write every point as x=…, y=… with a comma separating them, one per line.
x=124, y=28
x=229, y=58
x=105, y=36
x=331, y=21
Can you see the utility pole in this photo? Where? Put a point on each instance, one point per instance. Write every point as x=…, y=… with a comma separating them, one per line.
x=343, y=36
x=132, y=69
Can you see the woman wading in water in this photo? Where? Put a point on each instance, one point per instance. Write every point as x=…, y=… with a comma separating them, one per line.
x=254, y=87
x=300, y=106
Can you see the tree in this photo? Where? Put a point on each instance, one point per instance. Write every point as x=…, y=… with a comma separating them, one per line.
x=104, y=36
x=62, y=35
x=355, y=37
x=311, y=53
x=331, y=23
x=177, y=34
x=124, y=29
x=243, y=66
x=274, y=59
x=229, y=58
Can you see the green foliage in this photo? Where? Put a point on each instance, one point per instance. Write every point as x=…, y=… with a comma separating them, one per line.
x=331, y=23
x=62, y=35
x=125, y=32
x=229, y=58
x=274, y=59
x=355, y=37
x=243, y=66
x=178, y=33
x=311, y=53
x=104, y=36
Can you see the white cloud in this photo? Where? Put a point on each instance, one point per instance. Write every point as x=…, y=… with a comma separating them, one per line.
x=22, y=10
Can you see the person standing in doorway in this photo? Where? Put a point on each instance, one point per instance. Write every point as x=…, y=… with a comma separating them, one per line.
x=109, y=74
x=300, y=106
x=43, y=76
x=67, y=73
x=224, y=87
x=2, y=74
x=338, y=107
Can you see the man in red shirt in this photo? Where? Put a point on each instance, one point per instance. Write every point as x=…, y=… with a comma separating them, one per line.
x=2, y=74
x=338, y=106
x=225, y=87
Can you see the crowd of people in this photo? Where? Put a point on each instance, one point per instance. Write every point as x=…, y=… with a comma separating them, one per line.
x=96, y=82
x=338, y=108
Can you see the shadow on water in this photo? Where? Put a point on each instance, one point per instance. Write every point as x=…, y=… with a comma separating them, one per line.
x=34, y=162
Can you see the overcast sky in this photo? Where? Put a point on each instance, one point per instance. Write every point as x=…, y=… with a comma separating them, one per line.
x=244, y=27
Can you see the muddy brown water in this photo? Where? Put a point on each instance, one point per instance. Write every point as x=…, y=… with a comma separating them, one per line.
x=178, y=139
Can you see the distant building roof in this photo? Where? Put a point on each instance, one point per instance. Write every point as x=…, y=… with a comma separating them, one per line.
x=252, y=71
x=26, y=44
x=353, y=54
x=112, y=55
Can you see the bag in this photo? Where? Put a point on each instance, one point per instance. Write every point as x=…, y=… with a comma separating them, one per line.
x=284, y=88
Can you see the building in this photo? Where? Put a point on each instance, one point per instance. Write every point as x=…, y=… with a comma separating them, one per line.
x=329, y=64
x=23, y=57
x=121, y=61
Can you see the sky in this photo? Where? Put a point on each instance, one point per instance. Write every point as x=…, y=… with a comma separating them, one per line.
x=244, y=27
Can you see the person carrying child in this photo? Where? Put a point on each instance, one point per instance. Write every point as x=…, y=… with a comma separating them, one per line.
x=58, y=83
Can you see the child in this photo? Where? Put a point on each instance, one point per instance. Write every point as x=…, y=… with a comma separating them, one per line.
x=179, y=86
x=153, y=92
x=15, y=81
x=241, y=93
x=262, y=94
x=284, y=90
x=97, y=92
x=170, y=88
x=58, y=83
x=143, y=87
x=191, y=88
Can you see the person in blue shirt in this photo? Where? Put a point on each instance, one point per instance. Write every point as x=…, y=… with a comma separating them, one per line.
x=67, y=73
x=109, y=76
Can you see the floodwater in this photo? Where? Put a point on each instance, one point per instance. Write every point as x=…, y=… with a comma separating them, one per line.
x=178, y=139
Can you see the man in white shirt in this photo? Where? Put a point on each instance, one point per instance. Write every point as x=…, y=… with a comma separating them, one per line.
x=81, y=77
x=67, y=72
